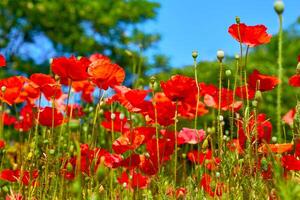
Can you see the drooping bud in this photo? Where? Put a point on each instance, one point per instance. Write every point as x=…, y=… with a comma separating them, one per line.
x=195, y=54
x=279, y=7
x=220, y=55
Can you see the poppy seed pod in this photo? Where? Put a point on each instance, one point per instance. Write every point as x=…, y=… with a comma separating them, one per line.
x=279, y=7
x=220, y=55
x=258, y=95
x=195, y=54
x=237, y=19
x=237, y=56
x=3, y=88
x=228, y=72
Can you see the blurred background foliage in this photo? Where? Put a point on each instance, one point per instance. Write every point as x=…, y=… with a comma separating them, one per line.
x=33, y=31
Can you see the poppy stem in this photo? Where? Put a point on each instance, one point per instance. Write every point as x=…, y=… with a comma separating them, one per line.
x=175, y=138
x=219, y=107
x=156, y=127
x=234, y=89
x=198, y=93
x=280, y=78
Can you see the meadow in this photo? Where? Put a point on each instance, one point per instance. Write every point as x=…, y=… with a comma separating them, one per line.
x=79, y=132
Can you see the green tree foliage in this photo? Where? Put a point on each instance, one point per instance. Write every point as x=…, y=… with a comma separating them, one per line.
x=32, y=31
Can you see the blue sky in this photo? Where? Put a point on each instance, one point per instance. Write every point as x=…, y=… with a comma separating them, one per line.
x=187, y=25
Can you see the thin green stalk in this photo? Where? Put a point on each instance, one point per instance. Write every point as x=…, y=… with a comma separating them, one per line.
x=175, y=135
x=219, y=106
x=279, y=90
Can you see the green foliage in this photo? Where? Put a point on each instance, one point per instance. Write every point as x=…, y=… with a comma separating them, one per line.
x=79, y=27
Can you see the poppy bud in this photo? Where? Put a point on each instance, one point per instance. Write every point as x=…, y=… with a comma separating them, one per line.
x=218, y=174
x=5, y=189
x=124, y=185
x=237, y=19
x=298, y=69
x=220, y=55
x=50, y=60
x=254, y=103
x=69, y=167
x=46, y=141
x=264, y=164
x=258, y=95
x=3, y=88
x=29, y=156
x=113, y=116
x=221, y=118
x=205, y=143
x=228, y=72
x=237, y=56
x=274, y=139
x=279, y=6
x=51, y=151
x=183, y=155
x=195, y=54
x=129, y=53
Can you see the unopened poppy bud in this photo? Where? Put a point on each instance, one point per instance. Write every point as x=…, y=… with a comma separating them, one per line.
x=298, y=69
x=51, y=151
x=50, y=60
x=71, y=148
x=91, y=109
x=5, y=189
x=46, y=141
x=228, y=72
x=122, y=116
x=274, y=139
x=279, y=7
x=220, y=55
x=264, y=164
x=29, y=156
x=195, y=54
x=69, y=167
x=113, y=116
x=129, y=53
x=258, y=95
x=152, y=79
x=221, y=118
x=3, y=88
x=124, y=185
x=237, y=56
x=205, y=144
x=254, y=103
x=218, y=174
x=237, y=19
x=226, y=132
x=147, y=155
x=183, y=155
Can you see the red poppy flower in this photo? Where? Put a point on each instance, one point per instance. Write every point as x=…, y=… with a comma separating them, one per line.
x=205, y=183
x=131, y=99
x=205, y=158
x=50, y=116
x=71, y=68
x=131, y=161
x=13, y=87
x=25, y=177
x=299, y=58
x=289, y=117
x=250, y=35
x=127, y=142
x=261, y=81
x=135, y=181
x=294, y=80
x=47, y=85
x=8, y=119
x=290, y=162
x=75, y=110
x=86, y=88
x=2, y=144
x=2, y=61
x=180, y=88
x=117, y=123
x=165, y=113
x=26, y=119
x=234, y=145
x=190, y=136
x=104, y=73
x=275, y=148
x=241, y=92
x=263, y=128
